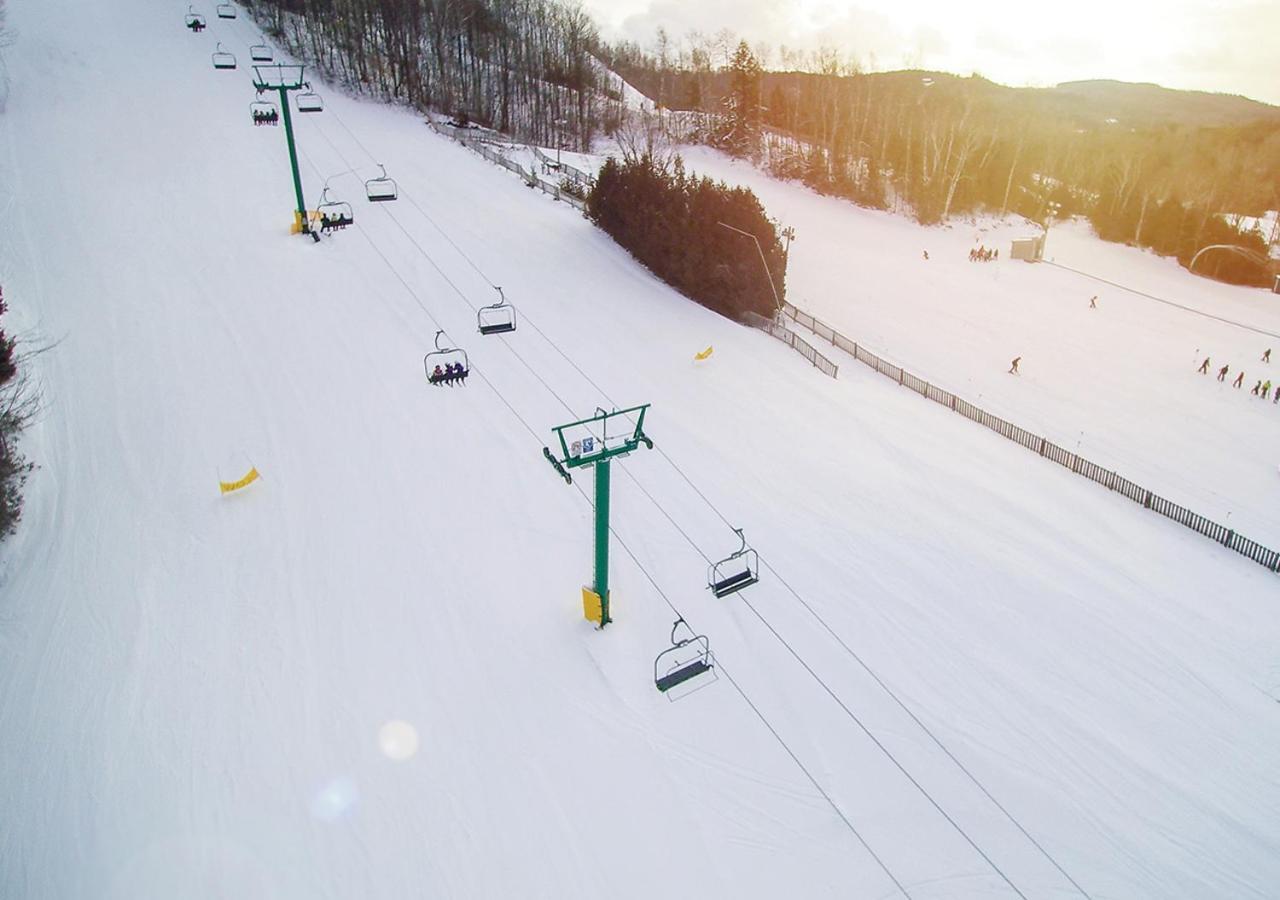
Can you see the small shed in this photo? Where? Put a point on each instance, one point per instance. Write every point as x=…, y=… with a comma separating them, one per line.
x=1275, y=288
x=1029, y=249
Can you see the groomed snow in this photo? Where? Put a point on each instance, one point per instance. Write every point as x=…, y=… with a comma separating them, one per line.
x=205, y=696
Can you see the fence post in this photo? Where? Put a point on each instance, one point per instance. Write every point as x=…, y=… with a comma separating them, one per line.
x=1042, y=446
x=1230, y=536
x=1147, y=501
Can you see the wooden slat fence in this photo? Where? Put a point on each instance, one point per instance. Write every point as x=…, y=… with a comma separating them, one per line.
x=1264, y=556
x=793, y=340
x=489, y=152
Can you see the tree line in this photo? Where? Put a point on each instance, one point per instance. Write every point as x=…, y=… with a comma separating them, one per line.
x=938, y=146
x=523, y=67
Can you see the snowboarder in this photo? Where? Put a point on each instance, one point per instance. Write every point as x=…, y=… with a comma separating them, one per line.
x=1204, y=366
x=1239, y=382
x=1093, y=302
x=1266, y=357
x=1222, y=373
x=1013, y=369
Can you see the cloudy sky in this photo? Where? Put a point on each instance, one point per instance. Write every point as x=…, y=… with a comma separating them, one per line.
x=1231, y=46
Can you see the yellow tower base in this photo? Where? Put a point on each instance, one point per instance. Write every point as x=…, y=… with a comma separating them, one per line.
x=592, y=608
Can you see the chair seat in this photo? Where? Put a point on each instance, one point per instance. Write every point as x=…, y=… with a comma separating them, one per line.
x=733, y=583
x=498, y=328
x=683, y=674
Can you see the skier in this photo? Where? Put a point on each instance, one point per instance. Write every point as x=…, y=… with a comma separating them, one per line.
x=1266, y=357
x=1093, y=302
x=926, y=255
x=1204, y=366
x=1222, y=373
x=1266, y=389
x=1239, y=382
x=1013, y=369
x=437, y=375
x=1257, y=387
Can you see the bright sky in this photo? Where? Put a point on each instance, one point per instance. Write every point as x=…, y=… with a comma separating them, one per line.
x=1232, y=46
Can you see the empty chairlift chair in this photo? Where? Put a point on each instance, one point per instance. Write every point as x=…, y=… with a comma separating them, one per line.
x=264, y=112
x=687, y=658
x=309, y=101
x=497, y=318
x=334, y=215
x=223, y=59
x=226, y=11
x=194, y=20
x=445, y=364
x=260, y=53
x=382, y=188
x=739, y=570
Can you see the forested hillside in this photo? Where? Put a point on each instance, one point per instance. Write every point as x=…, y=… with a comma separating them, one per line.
x=524, y=67
x=1148, y=166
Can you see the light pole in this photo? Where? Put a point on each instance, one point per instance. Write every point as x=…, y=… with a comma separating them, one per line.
x=777, y=303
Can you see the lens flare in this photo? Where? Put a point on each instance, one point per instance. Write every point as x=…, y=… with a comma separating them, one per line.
x=398, y=740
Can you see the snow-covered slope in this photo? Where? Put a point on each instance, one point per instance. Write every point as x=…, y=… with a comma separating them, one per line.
x=193, y=688
x=1117, y=384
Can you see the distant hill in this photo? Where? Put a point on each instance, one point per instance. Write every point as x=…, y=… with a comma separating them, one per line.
x=1143, y=104
x=1085, y=104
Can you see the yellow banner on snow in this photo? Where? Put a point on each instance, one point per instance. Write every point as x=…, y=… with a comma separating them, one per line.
x=229, y=486
x=704, y=354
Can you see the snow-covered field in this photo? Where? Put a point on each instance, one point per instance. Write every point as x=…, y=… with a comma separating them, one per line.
x=1117, y=384
x=198, y=693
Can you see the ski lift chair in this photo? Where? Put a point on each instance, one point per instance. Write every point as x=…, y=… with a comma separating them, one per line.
x=382, y=188
x=195, y=21
x=264, y=112
x=497, y=318
x=686, y=659
x=226, y=11
x=260, y=53
x=450, y=362
x=334, y=214
x=739, y=570
x=223, y=59
x=309, y=101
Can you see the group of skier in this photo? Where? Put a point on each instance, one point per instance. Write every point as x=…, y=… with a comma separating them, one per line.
x=1261, y=389
x=448, y=374
x=982, y=254
x=265, y=118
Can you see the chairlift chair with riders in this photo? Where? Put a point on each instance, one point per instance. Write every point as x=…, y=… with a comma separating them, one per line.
x=382, y=188
x=309, y=101
x=686, y=658
x=334, y=214
x=445, y=364
x=223, y=59
x=497, y=318
x=226, y=11
x=261, y=53
x=739, y=570
x=195, y=21
x=264, y=112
